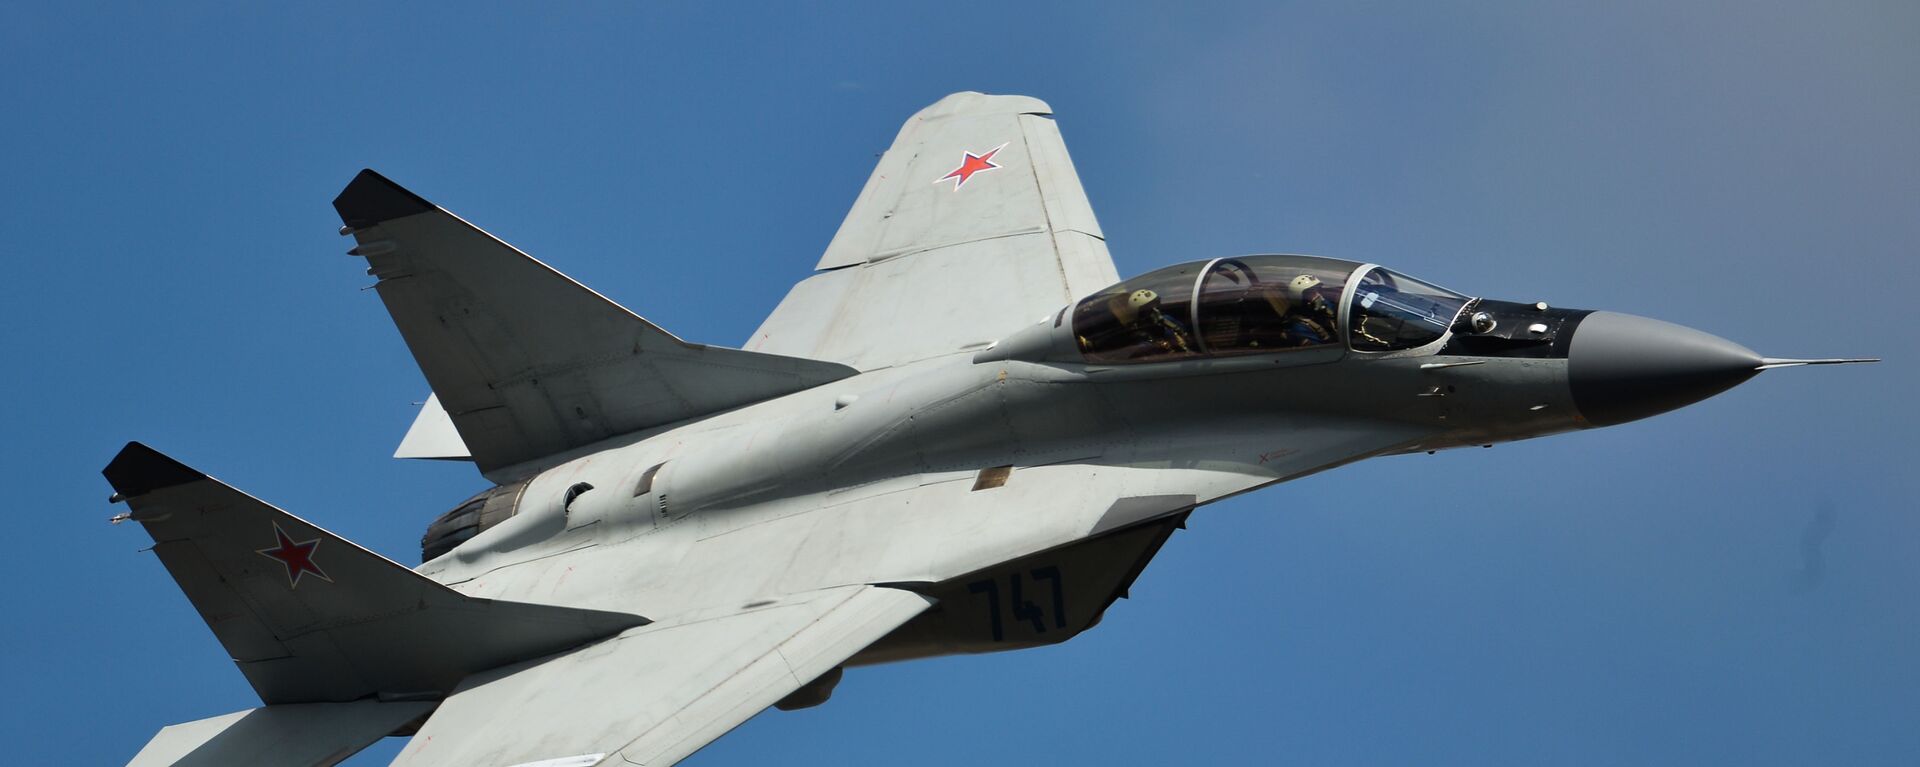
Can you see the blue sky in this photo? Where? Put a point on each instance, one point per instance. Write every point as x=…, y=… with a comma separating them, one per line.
x=1733, y=583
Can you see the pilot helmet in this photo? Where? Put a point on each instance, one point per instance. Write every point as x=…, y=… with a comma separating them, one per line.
x=1126, y=307
x=1301, y=284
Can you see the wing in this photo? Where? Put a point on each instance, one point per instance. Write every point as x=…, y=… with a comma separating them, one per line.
x=656, y=694
x=973, y=226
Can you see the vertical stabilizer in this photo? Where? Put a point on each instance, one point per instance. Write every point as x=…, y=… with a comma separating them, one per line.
x=527, y=362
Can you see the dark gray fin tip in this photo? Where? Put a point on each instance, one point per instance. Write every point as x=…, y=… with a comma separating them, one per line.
x=139, y=470
x=370, y=199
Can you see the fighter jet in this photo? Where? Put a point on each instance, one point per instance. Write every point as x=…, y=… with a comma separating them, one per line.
x=963, y=434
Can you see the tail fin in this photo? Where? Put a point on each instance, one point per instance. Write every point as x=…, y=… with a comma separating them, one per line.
x=526, y=361
x=308, y=616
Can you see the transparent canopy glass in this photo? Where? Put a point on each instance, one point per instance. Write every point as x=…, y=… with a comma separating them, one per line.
x=1228, y=306
x=1145, y=319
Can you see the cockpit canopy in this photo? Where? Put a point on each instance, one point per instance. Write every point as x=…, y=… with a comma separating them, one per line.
x=1259, y=305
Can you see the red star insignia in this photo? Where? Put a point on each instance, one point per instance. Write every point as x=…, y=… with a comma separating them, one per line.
x=296, y=555
x=971, y=164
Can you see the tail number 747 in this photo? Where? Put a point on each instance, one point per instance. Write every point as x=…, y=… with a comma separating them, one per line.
x=1023, y=609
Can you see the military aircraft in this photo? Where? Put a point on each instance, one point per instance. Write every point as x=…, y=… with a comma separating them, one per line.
x=963, y=434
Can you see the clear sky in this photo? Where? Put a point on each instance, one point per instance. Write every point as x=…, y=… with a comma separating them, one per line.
x=1734, y=583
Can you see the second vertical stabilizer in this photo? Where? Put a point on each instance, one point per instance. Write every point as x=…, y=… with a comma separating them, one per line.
x=527, y=362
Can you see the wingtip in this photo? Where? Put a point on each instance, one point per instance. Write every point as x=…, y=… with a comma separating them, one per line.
x=371, y=198
x=138, y=470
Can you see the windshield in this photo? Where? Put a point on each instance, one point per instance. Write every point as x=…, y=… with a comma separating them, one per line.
x=1393, y=311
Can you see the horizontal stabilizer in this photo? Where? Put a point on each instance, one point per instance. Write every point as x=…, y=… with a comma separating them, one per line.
x=297, y=735
x=310, y=617
x=527, y=362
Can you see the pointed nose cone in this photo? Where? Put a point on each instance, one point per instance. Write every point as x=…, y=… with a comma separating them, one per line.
x=1623, y=368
